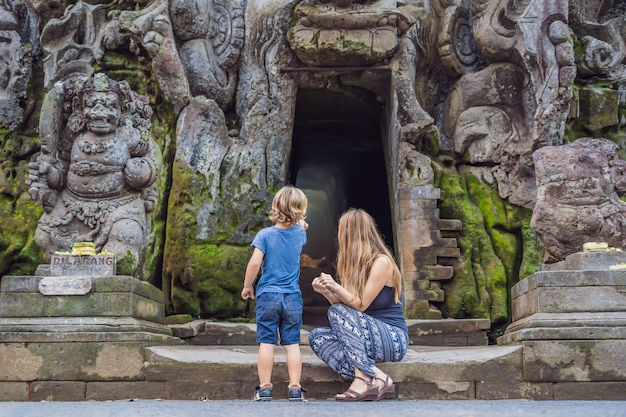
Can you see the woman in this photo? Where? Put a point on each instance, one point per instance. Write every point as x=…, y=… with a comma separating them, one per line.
x=366, y=313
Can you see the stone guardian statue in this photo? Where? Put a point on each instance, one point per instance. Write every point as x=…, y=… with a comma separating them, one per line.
x=95, y=175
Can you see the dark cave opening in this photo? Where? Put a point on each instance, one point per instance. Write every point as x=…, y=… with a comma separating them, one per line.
x=339, y=161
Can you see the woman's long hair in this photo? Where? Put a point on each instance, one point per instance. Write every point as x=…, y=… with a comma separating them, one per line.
x=360, y=244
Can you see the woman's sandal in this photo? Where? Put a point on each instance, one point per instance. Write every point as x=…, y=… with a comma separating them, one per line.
x=371, y=394
x=387, y=391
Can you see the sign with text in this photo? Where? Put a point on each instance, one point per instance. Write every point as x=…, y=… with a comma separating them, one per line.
x=65, y=286
x=85, y=266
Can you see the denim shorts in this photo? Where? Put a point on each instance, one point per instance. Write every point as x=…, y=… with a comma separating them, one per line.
x=279, y=313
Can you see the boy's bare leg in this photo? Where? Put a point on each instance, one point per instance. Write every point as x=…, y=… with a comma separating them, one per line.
x=265, y=363
x=294, y=364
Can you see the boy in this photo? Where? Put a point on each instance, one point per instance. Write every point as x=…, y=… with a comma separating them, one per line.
x=279, y=302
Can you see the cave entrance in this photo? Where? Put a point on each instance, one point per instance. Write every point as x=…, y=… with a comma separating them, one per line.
x=339, y=162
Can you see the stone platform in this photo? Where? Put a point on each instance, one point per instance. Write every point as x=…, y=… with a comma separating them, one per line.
x=229, y=372
x=567, y=342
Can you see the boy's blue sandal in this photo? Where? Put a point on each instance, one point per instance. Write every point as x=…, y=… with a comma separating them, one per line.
x=296, y=393
x=262, y=393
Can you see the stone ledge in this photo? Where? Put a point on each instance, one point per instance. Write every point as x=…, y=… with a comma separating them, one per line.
x=69, y=325
x=106, y=284
x=448, y=332
x=594, y=261
x=563, y=278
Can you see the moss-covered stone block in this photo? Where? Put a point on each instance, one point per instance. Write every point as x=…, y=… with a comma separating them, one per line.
x=478, y=288
x=599, y=108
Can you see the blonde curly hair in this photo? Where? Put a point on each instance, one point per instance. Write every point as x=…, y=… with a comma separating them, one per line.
x=289, y=205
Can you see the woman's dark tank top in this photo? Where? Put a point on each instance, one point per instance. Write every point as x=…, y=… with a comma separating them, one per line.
x=385, y=308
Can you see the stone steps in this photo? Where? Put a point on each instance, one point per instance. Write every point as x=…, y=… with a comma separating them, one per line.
x=427, y=373
x=457, y=332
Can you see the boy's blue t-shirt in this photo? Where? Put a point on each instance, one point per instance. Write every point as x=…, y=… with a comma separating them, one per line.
x=280, y=269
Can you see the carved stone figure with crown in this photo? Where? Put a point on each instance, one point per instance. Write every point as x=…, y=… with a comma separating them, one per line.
x=96, y=171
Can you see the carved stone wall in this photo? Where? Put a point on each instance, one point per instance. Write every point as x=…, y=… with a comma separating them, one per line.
x=469, y=90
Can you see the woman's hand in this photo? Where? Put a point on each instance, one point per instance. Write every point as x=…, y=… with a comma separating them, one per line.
x=323, y=285
x=319, y=285
x=327, y=281
x=331, y=289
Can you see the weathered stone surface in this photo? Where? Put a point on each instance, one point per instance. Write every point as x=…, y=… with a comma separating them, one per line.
x=589, y=391
x=574, y=360
x=346, y=36
x=19, y=363
x=111, y=296
x=93, y=304
x=57, y=391
x=569, y=291
x=14, y=391
x=50, y=328
x=425, y=362
x=447, y=373
x=125, y=390
x=578, y=189
x=448, y=332
x=598, y=261
x=152, y=28
x=437, y=390
x=421, y=332
x=201, y=332
x=601, y=107
x=71, y=361
x=20, y=44
x=73, y=42
x=567, y=326
x=507, y=390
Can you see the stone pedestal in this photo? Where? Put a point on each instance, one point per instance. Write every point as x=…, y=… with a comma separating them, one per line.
x=572, y=322
x=78, y=328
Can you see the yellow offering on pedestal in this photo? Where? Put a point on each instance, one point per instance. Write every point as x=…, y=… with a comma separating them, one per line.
x=84, y=249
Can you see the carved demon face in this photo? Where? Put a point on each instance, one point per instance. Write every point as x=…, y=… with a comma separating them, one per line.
x=102, y=111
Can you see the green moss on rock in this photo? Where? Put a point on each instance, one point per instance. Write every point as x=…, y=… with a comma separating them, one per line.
x=127, y=264
x=208, y=280
x=478, y=289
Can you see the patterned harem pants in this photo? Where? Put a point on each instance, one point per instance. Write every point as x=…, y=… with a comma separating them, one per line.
x=357, y=340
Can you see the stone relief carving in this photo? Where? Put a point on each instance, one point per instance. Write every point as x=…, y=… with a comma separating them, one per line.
x=346, y=32
x=97, y=167
x=72, y=43
x=578, y=197
x=603, y=49
x=415, y=168
x=525, y=91
x=150, y=28
x=18, y=45
x=211, y=35
x=194, y=45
